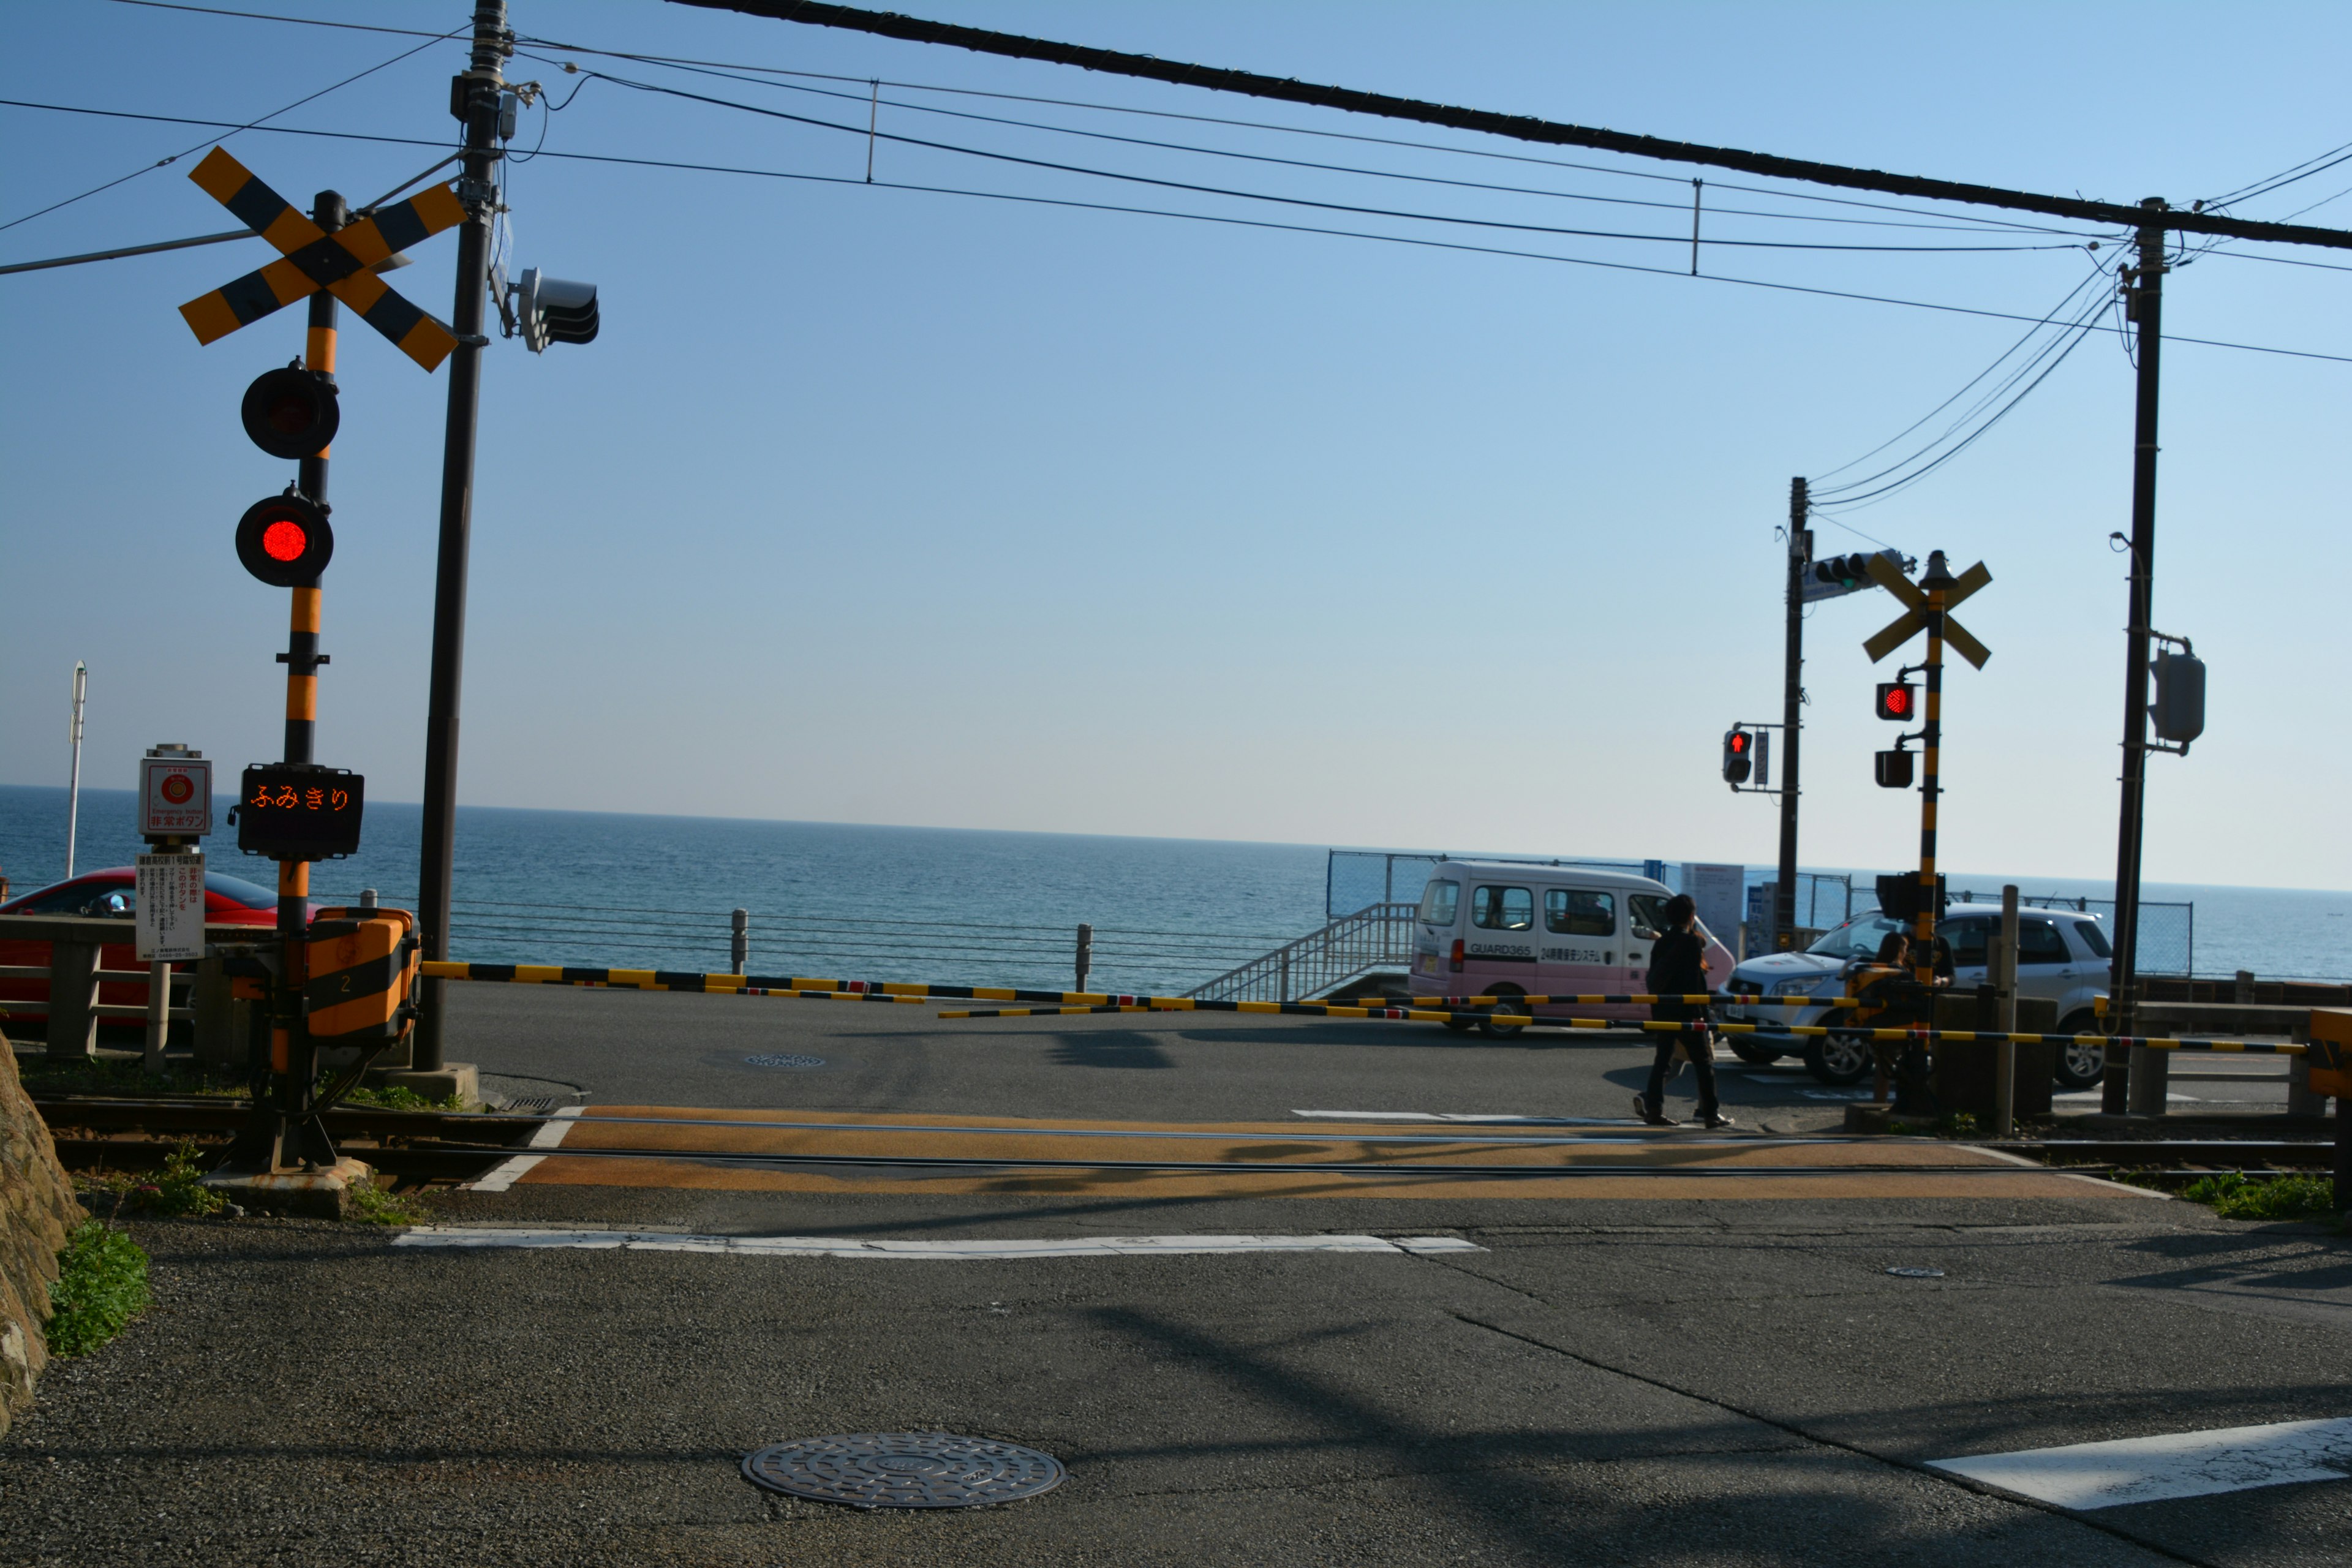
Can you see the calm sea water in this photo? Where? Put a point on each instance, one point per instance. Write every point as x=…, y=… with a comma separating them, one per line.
x=936, y=903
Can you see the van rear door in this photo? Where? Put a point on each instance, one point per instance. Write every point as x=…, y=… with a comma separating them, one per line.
x=1432, y=938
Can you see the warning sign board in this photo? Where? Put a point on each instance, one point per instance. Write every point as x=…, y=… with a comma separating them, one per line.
x=175, y=797
x=171, y=913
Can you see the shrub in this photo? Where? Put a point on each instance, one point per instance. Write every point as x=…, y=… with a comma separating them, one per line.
x=101, y=1285
x=2236, y=1196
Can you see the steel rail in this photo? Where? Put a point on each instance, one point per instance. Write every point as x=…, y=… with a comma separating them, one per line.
x=1519, y=126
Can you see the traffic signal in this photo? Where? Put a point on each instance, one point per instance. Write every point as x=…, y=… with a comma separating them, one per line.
x=1738, y=756
x=284, y=540
x=1844, y=571
x=1898, y=701
x=1894, y=770
x=553, y=311
x=2179, y=706
x=291, y=412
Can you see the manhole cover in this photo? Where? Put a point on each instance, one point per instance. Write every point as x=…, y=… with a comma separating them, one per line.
x=786, y=1059
x=904, y=1469
x=1913, y=1271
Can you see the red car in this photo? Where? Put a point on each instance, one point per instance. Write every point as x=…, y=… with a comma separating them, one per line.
x=112, y=894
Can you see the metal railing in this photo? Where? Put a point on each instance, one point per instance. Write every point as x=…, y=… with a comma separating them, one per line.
x=1322, y=960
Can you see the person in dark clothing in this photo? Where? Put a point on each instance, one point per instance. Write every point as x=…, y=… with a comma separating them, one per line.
x=1678, y=967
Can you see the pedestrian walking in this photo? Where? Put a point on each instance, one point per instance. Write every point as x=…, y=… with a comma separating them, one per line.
x=1678, y=968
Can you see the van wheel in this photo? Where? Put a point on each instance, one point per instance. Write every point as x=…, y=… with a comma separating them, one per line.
x=1508, y=1007
x=2080, y=1066
x=1837, y=1061
x=1748, y=1051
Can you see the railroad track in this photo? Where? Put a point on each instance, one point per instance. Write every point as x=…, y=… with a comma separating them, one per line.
x=94, y=1132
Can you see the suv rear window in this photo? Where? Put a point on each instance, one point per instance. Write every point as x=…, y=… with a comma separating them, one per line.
x=2038, y=941
x=2094, y=938
x=1502, y=909
x=1440, y=901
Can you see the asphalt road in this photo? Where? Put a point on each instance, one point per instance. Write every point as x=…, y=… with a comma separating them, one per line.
x=1711, y=1379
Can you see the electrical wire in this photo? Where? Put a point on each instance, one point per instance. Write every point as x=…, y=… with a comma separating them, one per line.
x=2318, y=164
x=1677, y=207
x=250, y=125
x=1349, y=208
x=721, y=66
x=1415, y=241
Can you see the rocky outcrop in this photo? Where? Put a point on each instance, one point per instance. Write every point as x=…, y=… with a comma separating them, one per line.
x=36, y=1209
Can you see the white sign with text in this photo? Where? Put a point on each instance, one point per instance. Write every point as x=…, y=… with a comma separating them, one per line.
x=171, y=911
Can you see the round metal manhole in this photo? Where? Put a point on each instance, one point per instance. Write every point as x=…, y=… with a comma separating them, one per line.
x=904, y=1469
x=784, y=1060
x=1915, y=1271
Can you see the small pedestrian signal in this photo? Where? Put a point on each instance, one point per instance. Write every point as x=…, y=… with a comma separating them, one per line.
x=1738, y=756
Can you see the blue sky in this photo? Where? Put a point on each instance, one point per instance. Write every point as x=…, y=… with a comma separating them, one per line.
x=875, y=505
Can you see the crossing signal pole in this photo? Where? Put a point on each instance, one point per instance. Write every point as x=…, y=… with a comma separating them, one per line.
x=1792, y=700
x=474, y=100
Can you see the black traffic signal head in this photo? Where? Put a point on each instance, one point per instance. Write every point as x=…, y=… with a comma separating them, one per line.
x=1899, y=700
x=1844, y=571
x=285, y=542
x=1894, y=770
x=1738, y=756
x=291, y=412
x=554, y=310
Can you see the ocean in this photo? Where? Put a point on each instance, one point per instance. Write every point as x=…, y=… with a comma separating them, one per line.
x=960, y=906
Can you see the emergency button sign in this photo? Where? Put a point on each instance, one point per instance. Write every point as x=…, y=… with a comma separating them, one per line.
x=175, y=795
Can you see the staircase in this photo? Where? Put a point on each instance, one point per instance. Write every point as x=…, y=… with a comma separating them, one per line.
x=1379, y=936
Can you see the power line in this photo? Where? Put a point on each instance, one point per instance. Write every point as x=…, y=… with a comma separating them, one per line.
x=1356, y=210
x=734, y=74
x=250, y=125
x=299, y=21
x=1229, y=222
x=2287, y=177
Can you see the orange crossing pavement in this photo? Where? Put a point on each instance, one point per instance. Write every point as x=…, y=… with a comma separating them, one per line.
x=785, y=1151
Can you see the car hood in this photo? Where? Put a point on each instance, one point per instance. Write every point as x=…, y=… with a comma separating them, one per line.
x=1788, y=967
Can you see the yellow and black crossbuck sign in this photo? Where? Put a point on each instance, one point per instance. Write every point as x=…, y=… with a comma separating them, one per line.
x=314, y=259
x=1914, y=620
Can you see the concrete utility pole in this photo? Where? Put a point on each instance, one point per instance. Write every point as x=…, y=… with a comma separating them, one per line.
x=474, y=99
x=1792, y=700
x=2118, y=1092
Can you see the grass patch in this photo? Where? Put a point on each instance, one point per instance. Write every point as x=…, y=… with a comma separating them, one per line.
x=177, y=1189
x=1957, y=1124
x=122, y=1076
x=100, y=1287
x=2236, y=1196
x=372, y=1205
x=399, y=1096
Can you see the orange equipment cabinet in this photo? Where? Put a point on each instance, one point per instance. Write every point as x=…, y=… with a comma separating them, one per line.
x=361, y=975
x=2329, y=1055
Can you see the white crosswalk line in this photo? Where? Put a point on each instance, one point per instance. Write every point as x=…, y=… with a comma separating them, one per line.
x=548, y=1135
x=2173, y=1465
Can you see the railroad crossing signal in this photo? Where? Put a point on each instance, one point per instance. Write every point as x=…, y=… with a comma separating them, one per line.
x=311, y=260
x=1913, y=620
x=284, y=540
x=1899, y=700
x=291, y=412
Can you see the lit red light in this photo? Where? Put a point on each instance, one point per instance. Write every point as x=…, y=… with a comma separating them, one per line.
x=1899, y=700
x=285, y=540
x=1739, y=744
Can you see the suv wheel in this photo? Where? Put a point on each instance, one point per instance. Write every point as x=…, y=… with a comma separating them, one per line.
x=1839, y=1061
x=1744, y=1048
x=2080, y=1066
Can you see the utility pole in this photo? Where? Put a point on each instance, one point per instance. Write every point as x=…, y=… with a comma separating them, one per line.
x=1792, y=698
x=2145, y=302
x=474, y=99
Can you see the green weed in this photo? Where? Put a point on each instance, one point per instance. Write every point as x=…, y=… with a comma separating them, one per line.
x=2236, y=1196
x=1957, y=1124
x=372, y=1205
x=400, y=1097
x=122, y=1075
x=101, y=1286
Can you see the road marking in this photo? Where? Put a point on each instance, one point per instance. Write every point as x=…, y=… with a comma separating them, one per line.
x=548, y=1135
x=1473, y=1119
x=831, y=1247
x=2174, y=1465
x=2085, y=1096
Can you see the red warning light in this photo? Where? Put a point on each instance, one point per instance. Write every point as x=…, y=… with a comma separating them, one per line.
x=1897, y=700
x=284, y=539
x=1739, y=742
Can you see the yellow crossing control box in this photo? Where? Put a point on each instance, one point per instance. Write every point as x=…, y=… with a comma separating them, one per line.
x=2330, y=1056
x=360, y=985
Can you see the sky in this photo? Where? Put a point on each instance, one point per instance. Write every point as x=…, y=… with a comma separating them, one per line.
x=872, y=504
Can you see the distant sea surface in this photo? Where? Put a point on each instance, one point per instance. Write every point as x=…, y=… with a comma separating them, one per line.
x=912, y=903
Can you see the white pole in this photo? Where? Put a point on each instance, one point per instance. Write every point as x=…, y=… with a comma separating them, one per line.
x=73, y=789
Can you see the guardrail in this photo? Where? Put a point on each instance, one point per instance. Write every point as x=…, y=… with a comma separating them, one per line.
x=71, y=1006
x=1322, y=960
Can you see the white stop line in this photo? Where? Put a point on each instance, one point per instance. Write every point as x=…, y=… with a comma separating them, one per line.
x=831, y=1247
x=2173, y=1465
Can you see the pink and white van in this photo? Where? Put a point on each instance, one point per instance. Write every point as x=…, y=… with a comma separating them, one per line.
x=1500, y=928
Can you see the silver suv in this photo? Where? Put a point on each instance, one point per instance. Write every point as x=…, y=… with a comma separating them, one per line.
x=2061, y=957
